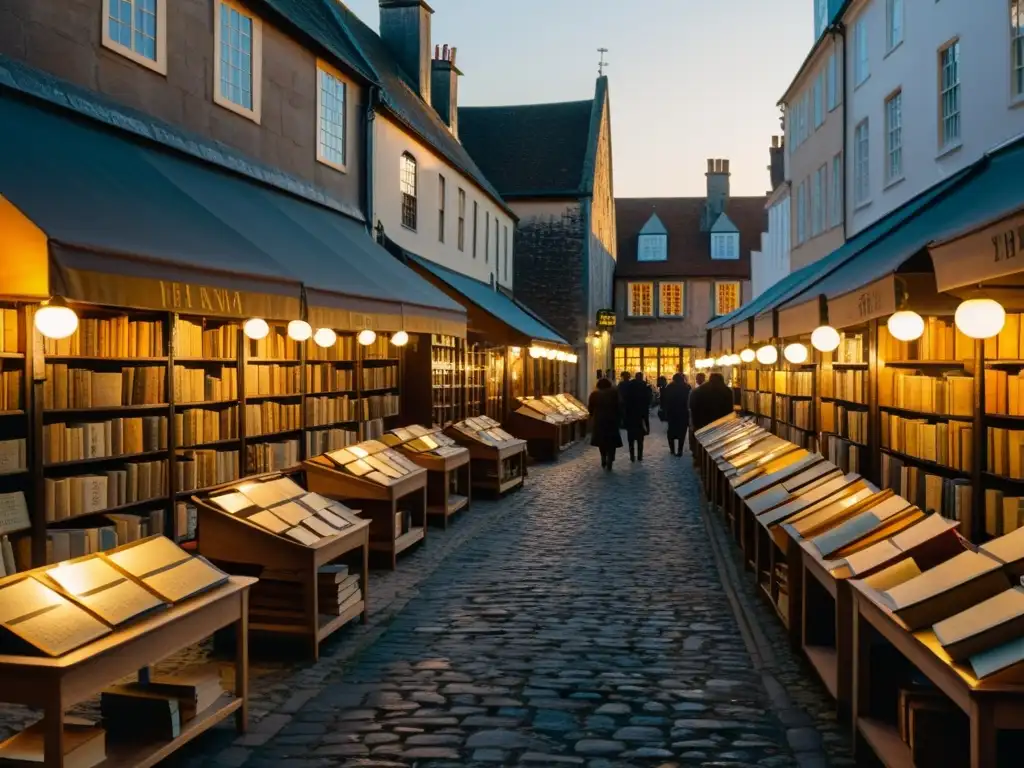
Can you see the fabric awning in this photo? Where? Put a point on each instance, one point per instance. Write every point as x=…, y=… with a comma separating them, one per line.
x=503, y=308
x=131, y=224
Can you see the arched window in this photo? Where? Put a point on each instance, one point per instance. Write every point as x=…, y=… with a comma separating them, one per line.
x=408, y=185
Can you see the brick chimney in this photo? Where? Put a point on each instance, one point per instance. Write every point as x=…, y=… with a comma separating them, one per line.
x=444, y=87
x=777, y=168
x=718, y=191
x=405, y=30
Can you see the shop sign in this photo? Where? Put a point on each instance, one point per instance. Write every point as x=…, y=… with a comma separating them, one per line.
x=200, y=298
x=605, y=318
x=985, y=254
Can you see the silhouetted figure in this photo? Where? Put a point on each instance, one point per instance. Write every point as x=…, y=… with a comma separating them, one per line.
x=637, y=417
x=710, y=402
x=604, y=421
x=675, y=401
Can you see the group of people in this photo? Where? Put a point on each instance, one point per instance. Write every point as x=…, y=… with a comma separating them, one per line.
x=628, y=406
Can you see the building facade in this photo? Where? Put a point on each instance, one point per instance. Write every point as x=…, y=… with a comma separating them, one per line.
x=681, y=262
x=932, y=87
x=771, y=263
x=552, y=164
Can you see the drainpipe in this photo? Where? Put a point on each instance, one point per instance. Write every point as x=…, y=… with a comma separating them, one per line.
x=839, y=29
x=372, y=100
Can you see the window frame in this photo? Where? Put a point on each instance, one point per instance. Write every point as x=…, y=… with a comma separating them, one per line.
x=476, y=220
x=324, y=68
x=946, y=143
x=487, y=237
x=461, y=237
x=506, y=252
x=801, y=212
x=862, y=164
x=727, y=242
x=861, y=53
x=893, y=137
x=717, y=297
x=497, y=243
x=1016, y=50
x=894, y=9
x=650, y=237
x=671, y=284
x=819, y=99
x=442, y=195
x=159, y=64
x=833, y=101
x=838, y=207
x=629, y=298
x=256, y=74
x=405, y=196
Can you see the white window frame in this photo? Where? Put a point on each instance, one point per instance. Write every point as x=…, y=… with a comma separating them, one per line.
x=861, y=60
x=837, y=190
x=462, y=220
x=652, y=247
x=819, y=197
x=801, y=212
x=159, y=64
x=834, y=96
x=442, y=205
x=950, y=107
x=725, y=246
x=717, y=297
x=862, y=163
x=409, y=191
x=819, y=100
x=325, y=70
x=894, y=20
x=681, y=286
x=629, y=298
x=257, y=62
x=894, y=137
x=1017, y=49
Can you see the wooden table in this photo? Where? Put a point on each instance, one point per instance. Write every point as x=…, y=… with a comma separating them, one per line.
x=56, y=684
x=544, y=439
x=990, y=707
x=442, y=472
x=489, y=462
x=379, y=502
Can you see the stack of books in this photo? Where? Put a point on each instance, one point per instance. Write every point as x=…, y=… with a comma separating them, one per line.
x=157, y=710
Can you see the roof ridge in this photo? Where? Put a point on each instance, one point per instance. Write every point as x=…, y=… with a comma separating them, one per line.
x=573, y=102
x=586, y=185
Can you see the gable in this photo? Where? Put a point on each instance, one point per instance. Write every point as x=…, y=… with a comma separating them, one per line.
x=654, y=226
x=724, y=224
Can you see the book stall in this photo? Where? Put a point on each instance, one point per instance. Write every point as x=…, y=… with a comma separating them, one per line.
x=72, y=630
x=497, y=459
x=549, y=424
x=448, y=465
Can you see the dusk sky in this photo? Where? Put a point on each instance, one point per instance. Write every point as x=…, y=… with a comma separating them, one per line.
x=689, y=79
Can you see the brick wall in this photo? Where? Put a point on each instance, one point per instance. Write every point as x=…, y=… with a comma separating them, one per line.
x=63, y=37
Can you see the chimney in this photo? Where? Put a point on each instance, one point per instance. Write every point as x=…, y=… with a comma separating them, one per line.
x=718, y=191
x=444, y=87
x=405, y=30
x=777, y=168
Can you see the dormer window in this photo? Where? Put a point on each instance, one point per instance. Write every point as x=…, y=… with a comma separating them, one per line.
x=725, y=245
x=652, y=248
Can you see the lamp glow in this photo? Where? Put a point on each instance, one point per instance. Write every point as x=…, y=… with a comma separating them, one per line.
x=552, y=354
x=825, y=338
x=906, y=325
x=767, y=355
x=795, y=353
x=536, y=352
x=55, y=319
x=574, y=358
x=735, y=360
x=561, y=357
x=366, y=337
x=516, y=351
x=748, y=355
x=256, y=328
x=980, y=318
x=299, y=330
x=400, y=339
x=325, y=337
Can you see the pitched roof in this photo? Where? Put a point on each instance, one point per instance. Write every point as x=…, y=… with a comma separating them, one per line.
x=536, y=150
x=400, y=97
x=689, y=248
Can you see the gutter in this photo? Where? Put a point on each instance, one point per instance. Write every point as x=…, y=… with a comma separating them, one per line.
x=839, y=28
x=368, y=149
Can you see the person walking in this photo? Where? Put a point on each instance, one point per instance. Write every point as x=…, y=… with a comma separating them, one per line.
x=623, y=386
x=637, y=416
x=604, y=421
x=662, y=383
x=710, y=402
x=676, y=403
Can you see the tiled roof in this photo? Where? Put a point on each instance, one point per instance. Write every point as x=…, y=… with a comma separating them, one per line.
x=535, y=150
x=689, y=248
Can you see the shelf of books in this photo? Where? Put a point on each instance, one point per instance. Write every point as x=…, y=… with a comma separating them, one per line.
x=74, y=629
x=17, y=490
x=843, y=418
x=795, y=388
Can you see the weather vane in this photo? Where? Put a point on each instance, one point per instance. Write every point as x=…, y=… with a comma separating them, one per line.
x=602, y=63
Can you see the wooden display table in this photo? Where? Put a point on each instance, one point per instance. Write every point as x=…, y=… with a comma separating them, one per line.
x=491, y=460
x=233, y=541
x=989, y=705
x=544, y=439
x=379, y=502
x=442, y=473
x=57, y=684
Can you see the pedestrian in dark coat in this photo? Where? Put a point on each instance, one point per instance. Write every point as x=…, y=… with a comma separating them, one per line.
x=604, y=421
x=676, y=402
x=637, y=405
x=623, y=386
x=710, y=402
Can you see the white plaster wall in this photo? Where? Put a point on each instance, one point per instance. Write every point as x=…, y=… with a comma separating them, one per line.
x=390, y=141
x=772, y=263
x=989, y=114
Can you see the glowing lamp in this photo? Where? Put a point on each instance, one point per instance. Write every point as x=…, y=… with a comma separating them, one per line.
x=325, y=337
x=906, y=325
x=536, y=352
x=573, y=358
x=795, y=353
x=400, y=339
x=552, y=354
x=561, y=357
x=256, y=328
x=767, y=355
x=55, y=319
x=825, y=338
x=366, y=337
x=980, y=318
x=748, y=355
x=299, y=330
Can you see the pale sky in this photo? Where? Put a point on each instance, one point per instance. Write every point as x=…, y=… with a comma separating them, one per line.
x=689, y=79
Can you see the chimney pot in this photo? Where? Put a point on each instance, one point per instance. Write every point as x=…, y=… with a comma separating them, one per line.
x=437, y=51
x=444, y=52
x=453, y=55
x=725, y=166
x=711, y=165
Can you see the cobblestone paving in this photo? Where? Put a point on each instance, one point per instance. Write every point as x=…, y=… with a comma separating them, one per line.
x=583, y=622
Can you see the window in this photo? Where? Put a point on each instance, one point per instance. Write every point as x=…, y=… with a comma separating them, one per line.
x=801, y=212
x=442, y=194
x=237, y=67
x=819, y=100
x=725, y=245
x=819, y=203
x=893, y=23
x=652, y=248
x=861, y=67
x=1017, y=46
x=506, y=253
x=727, y=297
x=834, y=96
x=670, y=299
x=838, y=196
x=949, y=94
x=330, y=112
x=487, y=237
x=462, y=219
x=497, y=233
x=407, y=182
x=641, y=299
x=475, y=219
x=137, y=29
x=894, y=137
x=861, y=158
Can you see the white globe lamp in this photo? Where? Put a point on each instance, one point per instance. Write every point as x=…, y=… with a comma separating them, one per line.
x=980, y=318
x=795, y=353
x=256, y=328
x=325, y=337
x=767, y=355
x=55, y=319
x=906, y=325
x=825, y=338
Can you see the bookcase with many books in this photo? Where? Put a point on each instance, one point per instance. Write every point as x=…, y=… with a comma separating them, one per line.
x=795, y=415
x=843, y=422
x=16, y=488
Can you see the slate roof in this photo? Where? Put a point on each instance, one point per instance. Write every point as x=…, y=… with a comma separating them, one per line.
x=689, y=248
x=536, y=150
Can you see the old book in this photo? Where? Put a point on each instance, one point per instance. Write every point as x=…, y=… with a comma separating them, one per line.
x=291, y=513
x=185, y=579
x=138, y=714
x=103, y=590
x=315, y=501
x=232, y=502
x=384, y=467
x=320, y=527
x=13, y=512
x=859, y=525
x=898, y=573
x=148, y=556
x=84, y=746
x=45, y=619
x=302, y=535
x=359, y=468
x=983, y=626
x=332, y=519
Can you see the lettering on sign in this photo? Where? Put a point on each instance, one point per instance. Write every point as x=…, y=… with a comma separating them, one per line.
x=868, y=304
x=605, y=318
x=176, y=296
x=1006, y=244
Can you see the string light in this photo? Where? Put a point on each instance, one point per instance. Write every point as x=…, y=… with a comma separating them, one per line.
x=767, y=355
x=400, y=338
x=795, y=353
x=906, y=325
x=55, y=319
x=825, y=338
x=748, y=355
x=366, y=337
x=980, y=318
x=325, y=337
x=299, y=330
x=256, y=328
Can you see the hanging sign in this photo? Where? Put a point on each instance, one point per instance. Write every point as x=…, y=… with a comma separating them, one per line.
x=605, y=318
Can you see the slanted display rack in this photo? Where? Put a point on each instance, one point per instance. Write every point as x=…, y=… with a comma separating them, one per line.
x=498, y=459
x=449, y=478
